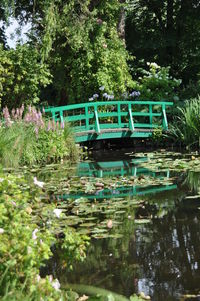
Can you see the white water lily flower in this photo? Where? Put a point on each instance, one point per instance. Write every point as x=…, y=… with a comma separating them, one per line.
x=57, y=212
x=38, y=183
x=1, y=230
x=34, y=236
x=56, y=284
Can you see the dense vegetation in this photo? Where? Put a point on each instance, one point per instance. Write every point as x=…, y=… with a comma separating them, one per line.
x=74, y=48
x=30, y=139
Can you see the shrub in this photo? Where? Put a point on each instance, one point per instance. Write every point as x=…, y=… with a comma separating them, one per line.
x=26, y=238
x=157, y=84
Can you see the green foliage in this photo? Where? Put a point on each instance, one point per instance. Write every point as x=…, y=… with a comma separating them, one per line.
x=186, y=127
x=21, y=76
x=157, y=135
x=82, y=44
x=20, y=144
x=26, y=240
x=157, y=84
x=166, y=32
x=52, y=146
x=189, y=91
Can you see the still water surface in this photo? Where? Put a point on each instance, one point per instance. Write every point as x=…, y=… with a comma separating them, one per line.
x=160, y=254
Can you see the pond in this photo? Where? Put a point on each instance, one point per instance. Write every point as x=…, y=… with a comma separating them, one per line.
x=142, y=212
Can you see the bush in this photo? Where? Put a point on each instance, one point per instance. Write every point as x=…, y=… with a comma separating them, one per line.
x=31, y=140
x=26, y=238
x=157, y=84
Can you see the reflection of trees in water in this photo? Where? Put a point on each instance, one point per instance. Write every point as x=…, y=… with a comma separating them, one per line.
x=162, y=257
x=170, y=261
x=109, y=262
x=192, y=180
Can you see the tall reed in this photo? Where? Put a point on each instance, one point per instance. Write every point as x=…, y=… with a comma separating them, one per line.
x=186, y=126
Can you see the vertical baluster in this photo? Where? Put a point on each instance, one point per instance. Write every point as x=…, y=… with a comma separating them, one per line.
x=96, y=120
x=86, y=118
x=119, y=115
x=150, y=115
x=165, y=124
x=61, y=116
x=131, y=123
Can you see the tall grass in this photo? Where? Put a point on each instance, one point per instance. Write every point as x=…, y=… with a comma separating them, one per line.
x=26, y=138
x=186, y=126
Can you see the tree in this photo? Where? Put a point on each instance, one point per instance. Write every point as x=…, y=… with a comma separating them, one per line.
x=22, y=76
x=166, y=32
x=83, y=43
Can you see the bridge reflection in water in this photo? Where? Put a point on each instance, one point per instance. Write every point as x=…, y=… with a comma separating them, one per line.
x=119, y=169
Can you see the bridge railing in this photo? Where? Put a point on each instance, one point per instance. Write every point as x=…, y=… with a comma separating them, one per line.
x=97, y=116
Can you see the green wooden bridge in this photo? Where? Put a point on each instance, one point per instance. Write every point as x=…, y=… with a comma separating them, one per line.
x=117, y=168
x=113, y=119
x=119, y=192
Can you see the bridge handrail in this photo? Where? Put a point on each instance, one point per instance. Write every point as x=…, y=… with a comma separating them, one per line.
x=103, y=103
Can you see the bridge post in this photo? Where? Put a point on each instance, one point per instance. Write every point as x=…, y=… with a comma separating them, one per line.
x=119, y=115
x=150, y=115
x=96, y=120
x=61, y=117
x=131, y=123
x=86, y=118
x=165, y=123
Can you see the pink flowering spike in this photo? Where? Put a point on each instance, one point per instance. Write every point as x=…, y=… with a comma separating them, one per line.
x=13, y=113
x=6, y=114
x=62, y=125
x=49, y=126
x=53, y=125
x=17, y=113
x=57, y=125
x=43, y=110
x=36, y=131
x=29, y=109
x=42, y=124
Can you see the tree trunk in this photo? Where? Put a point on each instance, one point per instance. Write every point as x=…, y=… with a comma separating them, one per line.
x=121, y=22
